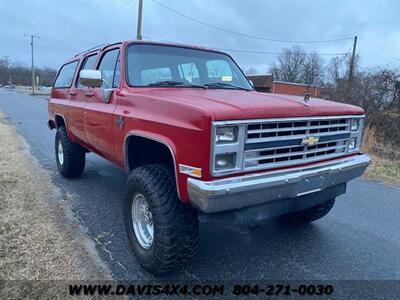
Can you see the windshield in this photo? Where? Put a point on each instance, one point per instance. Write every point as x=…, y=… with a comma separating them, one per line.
x=157, y=65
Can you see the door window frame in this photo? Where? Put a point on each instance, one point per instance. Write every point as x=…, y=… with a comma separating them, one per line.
x=100, y=59
x=82, y=65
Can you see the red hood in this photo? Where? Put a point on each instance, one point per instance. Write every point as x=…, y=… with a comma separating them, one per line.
x=224, y=104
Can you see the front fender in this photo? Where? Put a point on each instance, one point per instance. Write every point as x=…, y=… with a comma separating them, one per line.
x=180, y=179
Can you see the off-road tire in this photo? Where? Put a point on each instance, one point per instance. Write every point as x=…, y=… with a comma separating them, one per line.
x=310, y=214
x=175, y=224
x=74, y=155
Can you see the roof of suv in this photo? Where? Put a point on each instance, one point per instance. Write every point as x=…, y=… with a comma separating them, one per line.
x=173, y=44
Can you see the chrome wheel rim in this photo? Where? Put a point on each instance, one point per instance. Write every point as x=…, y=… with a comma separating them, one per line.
x=60, y=153
x=142, y=221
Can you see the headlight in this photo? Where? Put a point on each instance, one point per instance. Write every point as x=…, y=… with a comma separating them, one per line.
x=225, y=161
x=227, y=148
x=225, y=135
x=352, y=143
x=356, y=133
x=355, y=123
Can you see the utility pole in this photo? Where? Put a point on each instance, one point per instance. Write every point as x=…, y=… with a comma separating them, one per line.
x=139, y=20
x=352, y=60
x=32, y=36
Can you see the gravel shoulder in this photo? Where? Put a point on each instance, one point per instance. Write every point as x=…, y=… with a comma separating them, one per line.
x=40, y=239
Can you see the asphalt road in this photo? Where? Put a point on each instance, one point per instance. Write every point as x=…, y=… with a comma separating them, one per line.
x=359, y=239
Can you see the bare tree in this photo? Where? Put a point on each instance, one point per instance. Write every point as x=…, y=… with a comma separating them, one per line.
x=335, y=69
x=4, y=71
x=20, y=74
x=376, y=90
x=250, y=71
x=313, y=69
x=289, y=66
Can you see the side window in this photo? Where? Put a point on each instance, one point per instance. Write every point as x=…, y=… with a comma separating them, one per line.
x=65, y=76
x=107, y=67
x=219, y=70
x=88, y=64
x=154, y=75
x=189, y=72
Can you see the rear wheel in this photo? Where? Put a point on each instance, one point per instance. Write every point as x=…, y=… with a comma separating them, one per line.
x=162, y=231
x=70, y=156
x=310, y=214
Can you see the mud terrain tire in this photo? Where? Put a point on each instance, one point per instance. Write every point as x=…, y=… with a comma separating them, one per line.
x=175, y=224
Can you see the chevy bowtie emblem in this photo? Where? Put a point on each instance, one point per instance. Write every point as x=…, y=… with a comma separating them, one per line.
x=310, y=141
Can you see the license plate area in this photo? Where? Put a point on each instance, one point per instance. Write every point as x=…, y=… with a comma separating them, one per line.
x=310, y=185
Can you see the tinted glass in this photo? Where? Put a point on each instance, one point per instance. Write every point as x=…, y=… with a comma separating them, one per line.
x=107, y=67
x=65, y=76
x=88, y=64
x=153, y=64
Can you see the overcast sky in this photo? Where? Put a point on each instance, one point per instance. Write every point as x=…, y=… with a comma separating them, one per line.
x=68, y=27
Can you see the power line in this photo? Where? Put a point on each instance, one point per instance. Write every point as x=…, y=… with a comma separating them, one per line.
x=249, y=35
x=106, y=15
x=255, y=51
x=275, y=53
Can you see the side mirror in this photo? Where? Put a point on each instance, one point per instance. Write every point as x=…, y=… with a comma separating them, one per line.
x=90, y=78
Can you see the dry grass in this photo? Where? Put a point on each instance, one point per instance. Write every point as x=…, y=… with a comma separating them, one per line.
x=38, y=239
x=385, y=164
x=373, y=144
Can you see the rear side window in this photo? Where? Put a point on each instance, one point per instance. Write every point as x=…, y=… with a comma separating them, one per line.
x=88, y=64
x=65, y=76
x=107, y=67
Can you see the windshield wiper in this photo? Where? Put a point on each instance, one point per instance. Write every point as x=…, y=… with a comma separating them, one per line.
x=223, y=84
x=176, y=83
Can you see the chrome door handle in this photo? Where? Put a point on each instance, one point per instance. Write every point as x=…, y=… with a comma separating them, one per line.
x=89, y=94
x=72, y=93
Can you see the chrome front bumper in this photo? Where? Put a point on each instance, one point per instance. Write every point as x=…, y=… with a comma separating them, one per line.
x=255, y=189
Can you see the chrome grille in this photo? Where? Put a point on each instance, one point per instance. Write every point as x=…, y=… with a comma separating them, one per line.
x=274, y=143
x=295, y=128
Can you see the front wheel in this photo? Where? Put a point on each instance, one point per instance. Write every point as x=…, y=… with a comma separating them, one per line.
x=162, y=231
x=310, y=214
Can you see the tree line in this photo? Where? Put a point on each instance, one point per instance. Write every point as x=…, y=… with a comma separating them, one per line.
x=22, y=75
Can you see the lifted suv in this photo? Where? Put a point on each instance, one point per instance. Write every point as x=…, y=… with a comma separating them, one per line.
x=199, y=143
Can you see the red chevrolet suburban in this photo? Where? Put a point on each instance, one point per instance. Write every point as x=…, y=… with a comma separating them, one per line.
x=199, y=143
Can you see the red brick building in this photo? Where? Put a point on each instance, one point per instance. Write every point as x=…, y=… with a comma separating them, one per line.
x=266, y=84
x=299, y=89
